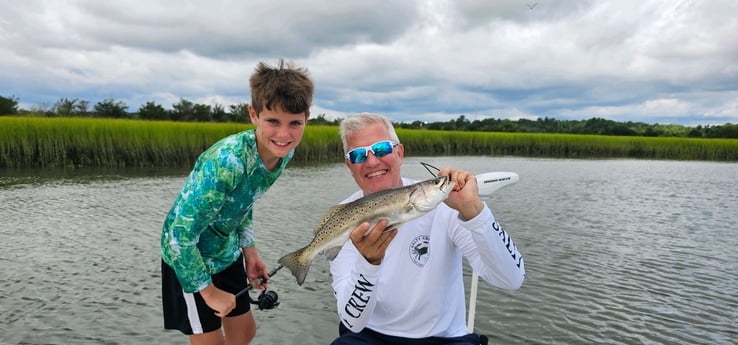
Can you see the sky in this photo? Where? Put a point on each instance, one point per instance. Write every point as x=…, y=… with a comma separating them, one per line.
x=667, y=62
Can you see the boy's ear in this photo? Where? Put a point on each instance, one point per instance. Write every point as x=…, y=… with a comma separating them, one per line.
x=307, y=115
x=252, y=114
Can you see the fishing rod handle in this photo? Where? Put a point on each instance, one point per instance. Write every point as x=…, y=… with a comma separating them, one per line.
x=263, y=280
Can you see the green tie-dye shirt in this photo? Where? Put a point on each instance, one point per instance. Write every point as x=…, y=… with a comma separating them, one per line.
x=211, y=219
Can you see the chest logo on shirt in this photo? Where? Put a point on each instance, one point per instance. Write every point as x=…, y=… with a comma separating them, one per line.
x=420, y=250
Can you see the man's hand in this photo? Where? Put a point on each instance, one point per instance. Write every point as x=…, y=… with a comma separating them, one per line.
x=465, y=195
x=372, y=245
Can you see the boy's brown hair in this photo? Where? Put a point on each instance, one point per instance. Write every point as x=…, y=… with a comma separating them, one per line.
x=285, y=86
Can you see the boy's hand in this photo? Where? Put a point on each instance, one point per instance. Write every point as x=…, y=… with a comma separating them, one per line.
x=255, y=268
x=220, y=301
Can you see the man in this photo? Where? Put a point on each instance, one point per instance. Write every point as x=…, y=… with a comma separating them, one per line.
x=406, y=285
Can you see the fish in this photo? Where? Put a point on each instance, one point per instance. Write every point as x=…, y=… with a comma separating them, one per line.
x=397, y=205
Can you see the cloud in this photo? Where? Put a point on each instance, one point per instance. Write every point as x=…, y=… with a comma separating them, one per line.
x=649, y=61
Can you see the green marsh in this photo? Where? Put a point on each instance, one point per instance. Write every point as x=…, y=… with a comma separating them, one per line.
x=76, y=142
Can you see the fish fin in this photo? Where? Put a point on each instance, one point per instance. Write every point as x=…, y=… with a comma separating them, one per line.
x=296, y=264
x=331, y=253
x=392, y=226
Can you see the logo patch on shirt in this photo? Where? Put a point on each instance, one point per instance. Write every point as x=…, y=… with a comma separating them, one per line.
x=420, y=250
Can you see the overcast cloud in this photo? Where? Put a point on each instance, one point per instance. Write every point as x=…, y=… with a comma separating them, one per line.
x=640, y=60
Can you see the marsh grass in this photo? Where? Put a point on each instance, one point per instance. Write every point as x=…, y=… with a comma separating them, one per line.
x=70, y=142
x=76, y=142
x=567, y=145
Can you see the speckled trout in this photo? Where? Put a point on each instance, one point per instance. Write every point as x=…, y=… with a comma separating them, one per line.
x=397, y=205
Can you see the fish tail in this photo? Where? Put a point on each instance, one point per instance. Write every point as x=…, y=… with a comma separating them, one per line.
x=297, y=264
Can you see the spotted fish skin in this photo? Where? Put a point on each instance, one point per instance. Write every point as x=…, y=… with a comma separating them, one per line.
x=397, y=205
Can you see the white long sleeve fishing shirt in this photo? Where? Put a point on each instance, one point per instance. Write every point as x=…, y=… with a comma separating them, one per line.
x=418, y=289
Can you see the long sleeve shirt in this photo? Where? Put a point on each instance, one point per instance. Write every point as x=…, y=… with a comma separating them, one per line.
x=418, y=289
x=211, y=219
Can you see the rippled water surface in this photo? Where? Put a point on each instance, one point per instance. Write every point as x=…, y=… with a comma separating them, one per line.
x=616, y=252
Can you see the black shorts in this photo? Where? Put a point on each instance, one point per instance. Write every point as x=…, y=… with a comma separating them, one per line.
x=188, y=312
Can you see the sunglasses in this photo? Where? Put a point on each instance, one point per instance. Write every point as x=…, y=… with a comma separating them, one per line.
x=379, y=149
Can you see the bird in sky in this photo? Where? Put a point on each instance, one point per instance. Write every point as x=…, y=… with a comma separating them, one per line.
x=531, y=6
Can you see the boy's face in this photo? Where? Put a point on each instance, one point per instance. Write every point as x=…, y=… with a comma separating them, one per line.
x=277, y=133
x=375, y=174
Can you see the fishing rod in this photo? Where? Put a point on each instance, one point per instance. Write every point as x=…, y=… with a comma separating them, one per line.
x=487, y=183
x=267, y=299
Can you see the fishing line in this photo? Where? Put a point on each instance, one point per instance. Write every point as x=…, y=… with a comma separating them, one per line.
x=428, y=166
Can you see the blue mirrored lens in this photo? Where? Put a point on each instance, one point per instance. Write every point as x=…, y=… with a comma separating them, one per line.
x=382, y=149
x=359, y=154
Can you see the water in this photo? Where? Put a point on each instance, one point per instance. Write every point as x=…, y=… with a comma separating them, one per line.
x=616, y=252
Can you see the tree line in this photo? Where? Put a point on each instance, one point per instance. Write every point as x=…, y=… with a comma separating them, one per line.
x=186, y=110
x=595, y=125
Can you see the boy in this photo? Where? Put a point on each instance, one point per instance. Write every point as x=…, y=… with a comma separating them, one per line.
x=208, y=236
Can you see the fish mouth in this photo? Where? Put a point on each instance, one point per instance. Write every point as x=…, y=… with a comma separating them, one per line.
x=444, y=183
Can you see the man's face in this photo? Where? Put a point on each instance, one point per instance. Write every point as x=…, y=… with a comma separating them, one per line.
x=375, y=174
